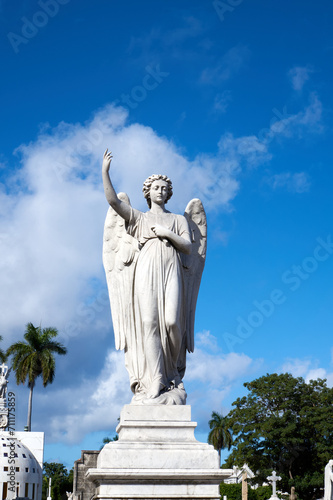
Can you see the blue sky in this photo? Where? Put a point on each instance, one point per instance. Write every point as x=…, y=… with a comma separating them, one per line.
x=233, y=101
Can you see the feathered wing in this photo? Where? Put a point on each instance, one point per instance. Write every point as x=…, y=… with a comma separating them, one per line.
x=120, y=251
x=194, y=263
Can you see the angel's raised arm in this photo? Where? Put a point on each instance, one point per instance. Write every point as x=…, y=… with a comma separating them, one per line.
x=119, y=206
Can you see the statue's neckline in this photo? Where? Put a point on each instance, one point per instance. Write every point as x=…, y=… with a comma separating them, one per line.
x=159, y=214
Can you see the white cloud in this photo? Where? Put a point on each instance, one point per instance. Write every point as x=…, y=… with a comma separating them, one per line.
x=248, y=150
x=316, y=373
x=233, y=61
x=206, y=340
x=203, y=401
x=216, y=369
x=94, y=405
x=294, y=182
x=297, y=367
x=190, y=27
x=222, y=101
x=307, y=369
x=212, y=376
x=253, y=150
x=52, y=217
x=51, y=225
x=298, y=124
x=170, y=44
x=53, y=211
x=299, y=75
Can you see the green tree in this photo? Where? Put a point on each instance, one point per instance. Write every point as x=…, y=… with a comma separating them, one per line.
x=34, y=358
x=284, y=424
x=61, y=480
x=234, y=492
x=107, y=440
x=220, y=436
x=263, y=492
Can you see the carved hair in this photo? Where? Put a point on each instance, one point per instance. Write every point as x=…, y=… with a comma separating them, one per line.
x=147, y=185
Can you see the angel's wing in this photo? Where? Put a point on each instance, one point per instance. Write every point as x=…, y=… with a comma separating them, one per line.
x=194, y=263
x=120, y=251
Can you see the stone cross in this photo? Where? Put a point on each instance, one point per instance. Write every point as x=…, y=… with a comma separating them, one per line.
x=293, y=495
x=244, y=485
x=273, y=479
x=49, y=492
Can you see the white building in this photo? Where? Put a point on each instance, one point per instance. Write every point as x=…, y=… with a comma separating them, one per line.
x=20, y=466
x=21, y=453
x=236, y=476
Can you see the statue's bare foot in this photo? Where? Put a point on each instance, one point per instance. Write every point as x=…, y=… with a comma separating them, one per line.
x=155, y=390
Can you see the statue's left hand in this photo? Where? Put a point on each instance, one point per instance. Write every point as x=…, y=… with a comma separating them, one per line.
x=160, y=231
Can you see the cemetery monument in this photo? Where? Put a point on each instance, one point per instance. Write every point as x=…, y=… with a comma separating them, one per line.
x=153, y=263
x=274, y=479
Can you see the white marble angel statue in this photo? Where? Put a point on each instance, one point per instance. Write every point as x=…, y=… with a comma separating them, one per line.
x=153, y=262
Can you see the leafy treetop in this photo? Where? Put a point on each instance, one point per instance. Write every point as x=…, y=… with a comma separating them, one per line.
x=284, y=424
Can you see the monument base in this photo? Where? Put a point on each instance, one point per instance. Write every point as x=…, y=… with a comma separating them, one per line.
x=157, y=457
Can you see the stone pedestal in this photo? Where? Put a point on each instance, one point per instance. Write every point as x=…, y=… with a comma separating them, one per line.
x=157, y=457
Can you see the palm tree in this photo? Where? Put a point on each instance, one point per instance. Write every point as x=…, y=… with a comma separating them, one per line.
x=3, y=356
x=220, y=436
x=35, y=358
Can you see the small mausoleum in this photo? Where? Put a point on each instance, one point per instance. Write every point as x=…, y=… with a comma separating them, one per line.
x=20, y=472
x=21, y=453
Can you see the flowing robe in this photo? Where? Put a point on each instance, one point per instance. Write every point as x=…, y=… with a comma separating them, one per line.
x=155, y=350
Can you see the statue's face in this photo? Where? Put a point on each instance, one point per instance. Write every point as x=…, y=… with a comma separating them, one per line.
x=159, y=192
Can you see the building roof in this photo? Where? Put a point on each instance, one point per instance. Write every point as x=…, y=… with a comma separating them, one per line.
x=236, y=476
x=15, y=457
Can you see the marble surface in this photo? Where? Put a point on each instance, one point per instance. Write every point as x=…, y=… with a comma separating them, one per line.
x=153, y=263
x=157, y=457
